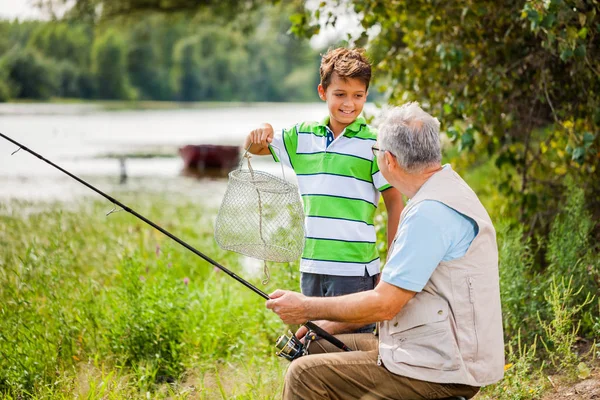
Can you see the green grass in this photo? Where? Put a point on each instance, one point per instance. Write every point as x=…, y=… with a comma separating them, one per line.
x=92, y=305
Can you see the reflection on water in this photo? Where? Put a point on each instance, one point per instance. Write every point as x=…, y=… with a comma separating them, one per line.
x=87, y=141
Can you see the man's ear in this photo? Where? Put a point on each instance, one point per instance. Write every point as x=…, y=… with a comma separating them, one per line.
x=321, y=91
x=391, y=161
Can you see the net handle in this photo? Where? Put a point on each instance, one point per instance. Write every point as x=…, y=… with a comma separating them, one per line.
x=247, y=155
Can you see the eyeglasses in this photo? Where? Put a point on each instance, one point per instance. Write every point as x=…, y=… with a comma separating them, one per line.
x=376, y=151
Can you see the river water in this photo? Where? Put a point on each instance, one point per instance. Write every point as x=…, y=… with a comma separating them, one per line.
x=87, y=139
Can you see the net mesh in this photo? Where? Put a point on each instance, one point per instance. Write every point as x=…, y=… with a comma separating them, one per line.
x=261, y=216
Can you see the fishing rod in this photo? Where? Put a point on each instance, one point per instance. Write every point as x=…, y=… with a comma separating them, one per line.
x=290, y=347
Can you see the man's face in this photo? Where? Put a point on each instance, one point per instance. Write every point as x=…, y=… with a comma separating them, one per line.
x=345, y=99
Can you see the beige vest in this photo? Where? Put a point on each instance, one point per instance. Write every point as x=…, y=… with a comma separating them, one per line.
x=451, y=331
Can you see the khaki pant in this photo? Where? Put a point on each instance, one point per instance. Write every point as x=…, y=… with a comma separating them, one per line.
x=329, y=373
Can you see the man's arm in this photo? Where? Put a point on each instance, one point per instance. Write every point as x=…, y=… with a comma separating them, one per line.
x=380, y=304
x=332, y=327
x=394, y=206
x=260, y=139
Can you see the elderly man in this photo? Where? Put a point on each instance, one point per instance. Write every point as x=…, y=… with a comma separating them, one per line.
x=438, y=301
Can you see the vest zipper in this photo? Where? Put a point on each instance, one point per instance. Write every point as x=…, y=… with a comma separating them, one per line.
x=472, y=300
x=379, y=344
x=471, y=290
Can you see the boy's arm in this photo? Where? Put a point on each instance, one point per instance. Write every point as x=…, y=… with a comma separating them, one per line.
x=259, y=140
x=394, y=206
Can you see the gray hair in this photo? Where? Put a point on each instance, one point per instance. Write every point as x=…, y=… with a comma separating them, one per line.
x=412, y=136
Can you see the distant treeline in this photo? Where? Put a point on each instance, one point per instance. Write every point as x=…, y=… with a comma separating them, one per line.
x=158, y=57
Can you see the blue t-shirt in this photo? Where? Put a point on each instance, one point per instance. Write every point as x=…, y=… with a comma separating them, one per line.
x=429, y=233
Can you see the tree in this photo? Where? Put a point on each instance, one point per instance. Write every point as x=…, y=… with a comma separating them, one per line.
x=63, y=41
x=91, y=9
x=281, y=66
x=210, y=65
x=518, y=81
x=29, y=75
x=186, y=78
x=145, y=68
x=4, y=88
x=109, y=67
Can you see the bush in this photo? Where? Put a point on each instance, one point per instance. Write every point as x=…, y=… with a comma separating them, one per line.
x=146, y=330
x=561, y=329
x=109, y=67
x=572, y=256
x=521, y=380
x=5, y=94
x=29, y=74
x=520, y=285
x=69, y=78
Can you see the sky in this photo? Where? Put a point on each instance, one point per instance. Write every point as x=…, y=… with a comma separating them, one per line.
x=22, y=9
x=347, y=21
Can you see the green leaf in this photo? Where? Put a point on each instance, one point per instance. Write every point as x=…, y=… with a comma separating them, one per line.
x=297, y=18
x=566, y=54
x=588, y=137
x=578, y=155
x=580, y=51
x=447, y=109
x=452, y=133
x=549, y=20
x=506, y=157
x=571, y=33
x=583, y=371
x=467, y=140
x=532, y=13
x=582, y=33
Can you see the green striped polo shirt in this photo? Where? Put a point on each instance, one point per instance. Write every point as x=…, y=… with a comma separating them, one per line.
x=340, y=186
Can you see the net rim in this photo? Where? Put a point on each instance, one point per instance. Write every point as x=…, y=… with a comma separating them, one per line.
x=286, y=187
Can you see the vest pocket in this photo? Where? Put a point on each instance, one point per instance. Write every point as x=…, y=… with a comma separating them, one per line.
x=427, y=346
x=422, y=337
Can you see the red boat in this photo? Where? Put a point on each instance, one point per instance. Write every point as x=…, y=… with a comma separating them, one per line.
x=210, y=157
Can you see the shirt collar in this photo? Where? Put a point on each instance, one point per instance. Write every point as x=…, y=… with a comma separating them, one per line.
x=352, y=129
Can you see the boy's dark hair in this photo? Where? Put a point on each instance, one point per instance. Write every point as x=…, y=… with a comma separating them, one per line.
x=346, y=63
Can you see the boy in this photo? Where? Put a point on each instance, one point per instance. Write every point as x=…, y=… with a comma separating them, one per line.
x=339, y=181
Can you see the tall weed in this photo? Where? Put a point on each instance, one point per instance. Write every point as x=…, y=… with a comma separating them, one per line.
x=146, y=328
x=561, y=331
x=522, y=380
x=573, y=256
x=521, y=287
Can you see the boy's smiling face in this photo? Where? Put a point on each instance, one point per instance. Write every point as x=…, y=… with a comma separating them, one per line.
x=345, y=99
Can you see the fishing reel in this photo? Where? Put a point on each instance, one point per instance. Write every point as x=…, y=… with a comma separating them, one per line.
x=290, y=347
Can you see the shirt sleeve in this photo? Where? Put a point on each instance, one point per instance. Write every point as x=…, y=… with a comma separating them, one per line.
x=420, y=246
x=379, y=181
x=284, y=146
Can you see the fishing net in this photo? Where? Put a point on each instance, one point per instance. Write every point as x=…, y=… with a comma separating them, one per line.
x=261, y=216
